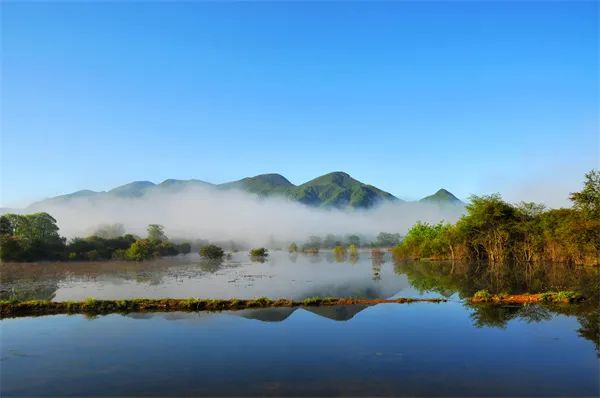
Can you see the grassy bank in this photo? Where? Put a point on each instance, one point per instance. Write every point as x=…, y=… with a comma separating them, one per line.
x=565, y=297
x=10, y=309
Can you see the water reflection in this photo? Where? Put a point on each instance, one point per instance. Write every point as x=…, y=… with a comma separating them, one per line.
x=280, y=275
x=383, y=350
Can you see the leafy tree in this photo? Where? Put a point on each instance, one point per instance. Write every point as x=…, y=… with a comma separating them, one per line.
x=156, y=233
x=385, y=239
x=211, y=252
x=588, y=199
x=293, y=247
x=30, y=237
x=184, y=248
x=142, y=249
x=259, y=252
x=353, y=240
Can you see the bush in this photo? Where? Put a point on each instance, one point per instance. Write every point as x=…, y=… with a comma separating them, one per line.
x=259, y=252
x=293, y=248
x=211, y=252
x=482, y=295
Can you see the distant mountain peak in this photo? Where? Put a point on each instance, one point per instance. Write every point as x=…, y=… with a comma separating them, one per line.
x=271, y=178
x=442, y=196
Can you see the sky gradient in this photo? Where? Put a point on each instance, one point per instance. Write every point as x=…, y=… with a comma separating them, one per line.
x=476, y=97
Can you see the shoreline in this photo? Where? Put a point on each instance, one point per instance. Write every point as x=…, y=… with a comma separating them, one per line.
x=10, y=309
x=13, y=309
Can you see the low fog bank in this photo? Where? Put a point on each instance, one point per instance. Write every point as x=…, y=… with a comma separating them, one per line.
x=221, y=215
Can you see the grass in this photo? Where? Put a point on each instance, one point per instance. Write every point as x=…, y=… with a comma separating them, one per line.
x=92, y=306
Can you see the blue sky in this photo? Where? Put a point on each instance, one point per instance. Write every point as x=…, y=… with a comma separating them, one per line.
x=476, y=97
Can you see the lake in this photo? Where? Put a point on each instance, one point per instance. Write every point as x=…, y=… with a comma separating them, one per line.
x=419, y=349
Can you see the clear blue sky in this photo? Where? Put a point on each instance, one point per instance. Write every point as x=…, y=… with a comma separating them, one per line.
x=472, y=96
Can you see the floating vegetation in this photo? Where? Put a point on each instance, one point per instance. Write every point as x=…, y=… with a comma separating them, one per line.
x=565, y=297
x=10, y=309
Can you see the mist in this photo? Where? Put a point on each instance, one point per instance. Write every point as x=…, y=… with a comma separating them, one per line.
x=221, y=215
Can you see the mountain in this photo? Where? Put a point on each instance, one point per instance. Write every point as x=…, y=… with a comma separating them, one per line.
x=263, y=184
x=337, y=190
x=442, y=197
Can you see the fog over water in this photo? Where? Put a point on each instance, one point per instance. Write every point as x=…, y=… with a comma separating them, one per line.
x=213, y=214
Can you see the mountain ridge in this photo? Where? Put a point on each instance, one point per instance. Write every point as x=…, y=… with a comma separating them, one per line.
x=332, y=190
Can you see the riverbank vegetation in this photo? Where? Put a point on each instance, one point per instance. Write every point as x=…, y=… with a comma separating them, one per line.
x=35, y=237
x=495, y=231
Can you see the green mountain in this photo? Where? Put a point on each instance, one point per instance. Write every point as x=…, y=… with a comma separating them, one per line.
x=337, y=189
x=442, y=197
x=263, y=184
x=133, y=189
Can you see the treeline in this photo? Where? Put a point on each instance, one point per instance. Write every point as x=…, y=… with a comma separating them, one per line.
x=315, y=243
x=496, y=231
x=34, y=237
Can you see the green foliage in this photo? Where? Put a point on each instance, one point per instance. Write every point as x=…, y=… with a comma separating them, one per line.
x=352, y=250
x=588, y=199
x=156, y=233
x=495, y=231
x=339, y=250
x=482, y=295
x=353, y=240
x=293, y=247
x=184, y=248
x=211, y=252
x=30, y=237
x=259, y=252
x=97, y=248
x=142, y=249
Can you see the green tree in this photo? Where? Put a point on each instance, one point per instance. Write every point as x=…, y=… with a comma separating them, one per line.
x=211, y=252
x=142, y=249
x=353, y=240
x=30, y=237
x=386, y=239
x=588, y=199
x=156, y=233
x=259, y=252
x=293, y=247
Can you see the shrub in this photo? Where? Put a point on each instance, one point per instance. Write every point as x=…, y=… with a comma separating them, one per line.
x=293, y=248
x=482, y=295
x=259, y=252
x=212, y=252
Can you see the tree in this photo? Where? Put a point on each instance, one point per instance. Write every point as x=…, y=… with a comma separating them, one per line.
x=109, y=231
x=259, y=252
x=385, y=239
x=156, y=233
x=212, y=252
x=142, y=249
x=30, y=237
x=353, y=240
x=588, y=199
x=293, y=247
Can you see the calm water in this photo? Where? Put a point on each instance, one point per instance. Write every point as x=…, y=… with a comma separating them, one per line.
x=423, y=349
